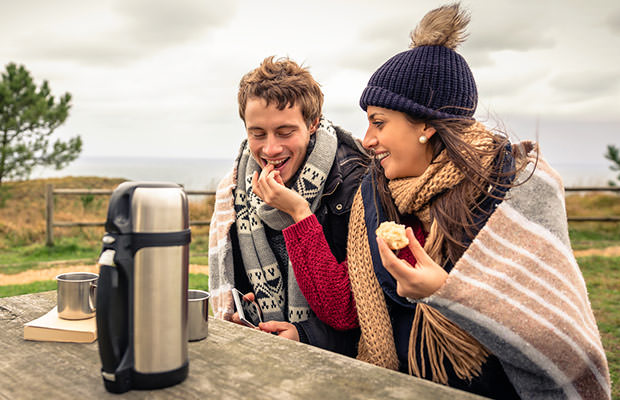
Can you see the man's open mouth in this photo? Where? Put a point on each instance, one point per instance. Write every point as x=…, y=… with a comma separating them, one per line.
x=277, y=164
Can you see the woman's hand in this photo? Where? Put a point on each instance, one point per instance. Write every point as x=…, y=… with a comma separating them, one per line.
x=271, y=189
x=414, y=282
x=281, y=328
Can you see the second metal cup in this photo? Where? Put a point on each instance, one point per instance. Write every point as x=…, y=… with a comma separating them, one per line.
x=197, y=314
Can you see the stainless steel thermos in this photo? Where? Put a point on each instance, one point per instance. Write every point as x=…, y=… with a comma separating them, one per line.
x=142, y=289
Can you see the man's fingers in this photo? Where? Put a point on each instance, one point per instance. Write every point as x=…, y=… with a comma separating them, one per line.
x=278, y=178
x=273, y=326
x=255, y=185
x=249, y=296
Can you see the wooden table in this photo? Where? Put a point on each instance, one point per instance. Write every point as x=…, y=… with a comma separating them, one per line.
x=232, y=363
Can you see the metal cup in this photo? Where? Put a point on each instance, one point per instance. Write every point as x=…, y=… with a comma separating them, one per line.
x=197, y=314
x=76, y=292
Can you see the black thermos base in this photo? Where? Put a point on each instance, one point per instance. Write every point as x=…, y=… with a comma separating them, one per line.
x=141, y=381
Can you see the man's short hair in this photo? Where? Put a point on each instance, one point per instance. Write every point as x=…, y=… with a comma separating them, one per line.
x=284, y=83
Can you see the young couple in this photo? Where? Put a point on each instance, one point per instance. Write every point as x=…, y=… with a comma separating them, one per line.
x=487, y=297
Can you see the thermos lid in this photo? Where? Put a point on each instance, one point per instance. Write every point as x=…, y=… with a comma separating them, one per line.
x=147, y=207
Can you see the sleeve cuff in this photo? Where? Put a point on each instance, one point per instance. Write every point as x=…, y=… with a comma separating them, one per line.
x=303, y=337
x=301, y=228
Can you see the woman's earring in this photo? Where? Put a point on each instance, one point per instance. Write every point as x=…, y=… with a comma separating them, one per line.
x=423, y=139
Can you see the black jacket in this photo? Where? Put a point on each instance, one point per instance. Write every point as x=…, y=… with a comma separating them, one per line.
x=333, y=212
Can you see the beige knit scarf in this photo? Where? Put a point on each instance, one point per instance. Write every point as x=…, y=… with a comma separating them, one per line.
x=439, y=337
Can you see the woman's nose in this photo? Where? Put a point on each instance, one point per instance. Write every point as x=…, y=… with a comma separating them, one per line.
x=370, y=140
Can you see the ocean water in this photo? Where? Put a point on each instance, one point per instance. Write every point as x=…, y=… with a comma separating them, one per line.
x=204, y=174
x=192, y=173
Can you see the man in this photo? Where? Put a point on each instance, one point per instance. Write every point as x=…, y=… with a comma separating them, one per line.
x=294, y=166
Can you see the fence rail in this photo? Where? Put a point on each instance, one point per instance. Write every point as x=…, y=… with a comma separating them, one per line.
x=51, y=192
x=50, y=224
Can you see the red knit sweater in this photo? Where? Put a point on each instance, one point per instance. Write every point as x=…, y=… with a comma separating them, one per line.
x=323, y=281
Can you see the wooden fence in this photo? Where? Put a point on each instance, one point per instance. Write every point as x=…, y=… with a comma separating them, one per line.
x=51, y=192
x=50, y=224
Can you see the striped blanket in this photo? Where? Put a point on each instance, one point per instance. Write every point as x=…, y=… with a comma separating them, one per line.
x=220, y=247
x=519, y=291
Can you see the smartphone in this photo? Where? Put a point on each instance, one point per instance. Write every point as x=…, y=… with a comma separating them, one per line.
x=249, y=311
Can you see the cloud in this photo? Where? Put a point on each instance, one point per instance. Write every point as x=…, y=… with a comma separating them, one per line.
x=164, y=22
x=493, y=28
x=124, y=32
x=508, y=27
x=613, y=21
x=586, y=84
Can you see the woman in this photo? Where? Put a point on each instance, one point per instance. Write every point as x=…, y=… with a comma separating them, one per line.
x=487, y=297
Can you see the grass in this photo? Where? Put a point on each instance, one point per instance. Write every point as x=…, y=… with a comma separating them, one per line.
x=32, y=287
x=602, y=276
x=587, y=235
x=196, y=281
x=38, y=256
x=22, y=223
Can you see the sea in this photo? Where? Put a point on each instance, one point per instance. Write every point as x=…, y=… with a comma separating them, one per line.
x=192, y=173
x=204, y=173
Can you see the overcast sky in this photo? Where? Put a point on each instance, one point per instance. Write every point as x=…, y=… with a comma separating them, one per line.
x=159, y=78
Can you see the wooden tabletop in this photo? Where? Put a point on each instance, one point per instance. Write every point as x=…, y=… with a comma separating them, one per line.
x=232, y=363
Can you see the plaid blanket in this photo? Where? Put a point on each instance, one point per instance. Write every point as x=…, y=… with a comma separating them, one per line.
x=519, y=291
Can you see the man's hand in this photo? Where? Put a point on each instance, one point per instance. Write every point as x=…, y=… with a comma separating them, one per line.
x=271, y=189
x=283, y=329
x=416, y=282
x=235, y=317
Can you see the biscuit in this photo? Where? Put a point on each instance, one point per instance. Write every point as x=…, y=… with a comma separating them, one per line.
x=393, y=234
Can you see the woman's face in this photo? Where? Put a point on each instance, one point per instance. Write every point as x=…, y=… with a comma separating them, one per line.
x=396, y=142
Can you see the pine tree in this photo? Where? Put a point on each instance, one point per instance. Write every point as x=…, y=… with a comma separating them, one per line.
x=28, y=117
x=613, y=156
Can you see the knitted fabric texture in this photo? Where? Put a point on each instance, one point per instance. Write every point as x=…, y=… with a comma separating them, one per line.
x=323, y=281
x=376, y=345
x=430, y=81
x=250, y=213
x=425, y=82
x=440, y=338
x=517, y=290
x=413, y=194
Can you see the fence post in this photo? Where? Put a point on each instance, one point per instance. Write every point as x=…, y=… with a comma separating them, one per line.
x=49, y=214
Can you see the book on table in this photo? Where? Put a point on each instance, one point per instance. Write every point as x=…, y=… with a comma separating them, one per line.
x=51, y=328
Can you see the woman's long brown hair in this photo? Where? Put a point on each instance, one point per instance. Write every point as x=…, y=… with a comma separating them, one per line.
x=456, y=209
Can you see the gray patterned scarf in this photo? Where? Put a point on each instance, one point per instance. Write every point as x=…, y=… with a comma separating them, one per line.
x=260, y=263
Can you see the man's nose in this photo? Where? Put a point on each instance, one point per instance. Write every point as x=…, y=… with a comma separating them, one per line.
x=272, y=146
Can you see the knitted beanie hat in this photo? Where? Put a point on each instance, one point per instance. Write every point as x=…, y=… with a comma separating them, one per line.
x=429, y=81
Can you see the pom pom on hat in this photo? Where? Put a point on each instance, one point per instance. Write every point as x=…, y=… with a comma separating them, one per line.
x=431, y=80
x=444, y=26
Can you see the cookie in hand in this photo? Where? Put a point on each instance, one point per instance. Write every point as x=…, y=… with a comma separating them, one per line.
x=393, y=234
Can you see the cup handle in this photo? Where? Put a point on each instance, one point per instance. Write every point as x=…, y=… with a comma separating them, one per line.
x=92, y=297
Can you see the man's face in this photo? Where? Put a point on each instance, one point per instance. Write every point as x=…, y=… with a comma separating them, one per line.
x=278, y=137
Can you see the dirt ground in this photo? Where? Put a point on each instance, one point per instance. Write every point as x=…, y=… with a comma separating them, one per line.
x=34, y=275
x=613, y=251
x=50, y=273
